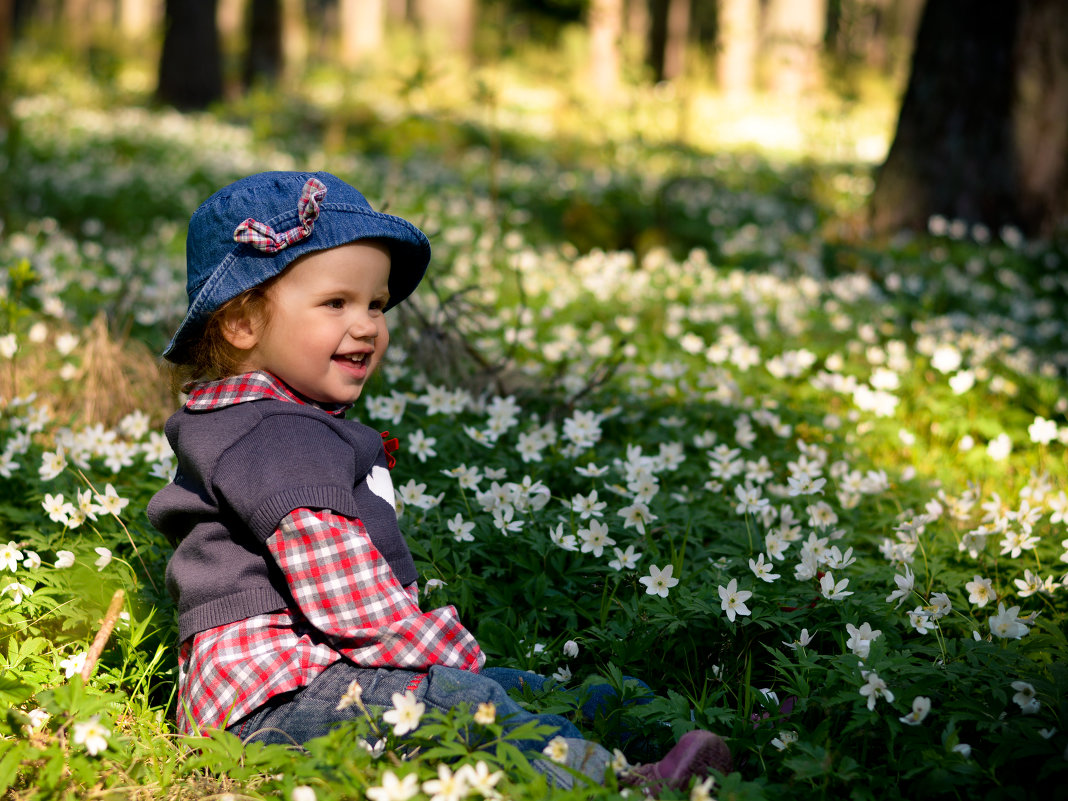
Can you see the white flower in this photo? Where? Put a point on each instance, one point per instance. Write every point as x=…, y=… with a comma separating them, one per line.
x=73, y=664
x=10, y=556
x=1006, y=624
x=732, y=600
x=57, y=508
x=562, y=674
x=461, y=529
x=659, y=582
x=875, y=688
x=486, y=713
x=945, y=359
x=352, y=695
x=784, y=740
x=480, y=779
x=999, y=448
x=980, y=591
x=1042, y=431
x=627, y=559
x=302, y=792
x=804, y=485
x=556, y=750
x=963, y=749
x=571, y=649
x=588, y=506
x=394, y=789
x=52, y=464
x=861, y=638
x=406, y=713
x=111, y=502
x=702, y=791
x=64, y=559
x=921, y=707
x=921, y=620
x=448, y=786
x=37, y=717
x=422, y=446
x=104, y=559
x=31, y=560
x=595, y=538
x=904, y=587
x=962, y=382
x=802, y=641
x=1025, y=697
x=762, y=569
x=92, y=735
x=18, y=591
x=832, y=591
x=940, y=605
x=8, y=345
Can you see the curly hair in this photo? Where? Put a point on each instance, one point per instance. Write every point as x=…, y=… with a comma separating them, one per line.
x=212, y=356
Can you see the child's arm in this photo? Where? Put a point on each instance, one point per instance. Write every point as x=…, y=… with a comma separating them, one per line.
x=344, y=587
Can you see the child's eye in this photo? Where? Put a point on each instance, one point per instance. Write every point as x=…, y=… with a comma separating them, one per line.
x=378, y=305
x=335, y=303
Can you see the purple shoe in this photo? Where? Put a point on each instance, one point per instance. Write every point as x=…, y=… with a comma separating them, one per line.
x=694, y=755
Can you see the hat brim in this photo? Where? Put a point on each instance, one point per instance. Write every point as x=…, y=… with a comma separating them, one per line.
x=246, y=267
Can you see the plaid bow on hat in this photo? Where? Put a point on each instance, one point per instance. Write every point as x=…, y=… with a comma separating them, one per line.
x=263, y=237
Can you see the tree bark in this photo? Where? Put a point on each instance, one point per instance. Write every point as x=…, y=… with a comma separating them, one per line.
x=606, y=30
x=190, y=70
x=361, y=25
x=738, y=35
x=953, y=151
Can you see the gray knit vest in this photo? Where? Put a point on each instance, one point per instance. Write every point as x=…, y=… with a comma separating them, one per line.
x=241, y=470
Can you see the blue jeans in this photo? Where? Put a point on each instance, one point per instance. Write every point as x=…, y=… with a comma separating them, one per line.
x=312, y=711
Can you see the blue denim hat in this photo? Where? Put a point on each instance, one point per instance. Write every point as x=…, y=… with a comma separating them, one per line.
x=249, y=231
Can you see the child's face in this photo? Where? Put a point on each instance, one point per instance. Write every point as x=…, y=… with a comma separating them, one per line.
x=327, y=331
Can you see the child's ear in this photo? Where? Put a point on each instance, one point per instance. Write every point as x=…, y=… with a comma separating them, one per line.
x=241, y=330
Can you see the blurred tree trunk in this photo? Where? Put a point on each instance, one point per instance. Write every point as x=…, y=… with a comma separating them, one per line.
x=1040, y=115
x=447, y=23
x=77, y=24
x=7, y=36
x=606, y=30
x=229, y=20
x=264, y=57
x=738, y=35
x=678, y=34
x=362, y=26
x=983, y=131
x=397, y=10
x=669, y=29
x=190, y=68
x=794, y=31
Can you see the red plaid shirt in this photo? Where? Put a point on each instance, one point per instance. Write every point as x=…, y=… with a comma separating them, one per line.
x=349, y=604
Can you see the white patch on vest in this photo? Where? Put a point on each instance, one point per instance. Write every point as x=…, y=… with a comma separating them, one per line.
x=379, y=482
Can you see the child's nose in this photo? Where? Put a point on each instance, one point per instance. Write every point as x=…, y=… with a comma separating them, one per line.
x=363, y=327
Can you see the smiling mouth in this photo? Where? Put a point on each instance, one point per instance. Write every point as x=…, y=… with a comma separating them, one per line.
x=355, y=358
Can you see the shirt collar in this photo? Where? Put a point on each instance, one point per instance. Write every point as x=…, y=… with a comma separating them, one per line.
x=254, y=386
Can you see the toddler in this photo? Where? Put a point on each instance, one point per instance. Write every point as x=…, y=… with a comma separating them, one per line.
x=290, y=573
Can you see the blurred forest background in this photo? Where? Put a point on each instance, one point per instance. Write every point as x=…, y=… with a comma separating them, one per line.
x=978, y=89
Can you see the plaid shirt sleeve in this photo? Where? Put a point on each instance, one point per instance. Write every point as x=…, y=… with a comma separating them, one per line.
x=346, y=590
